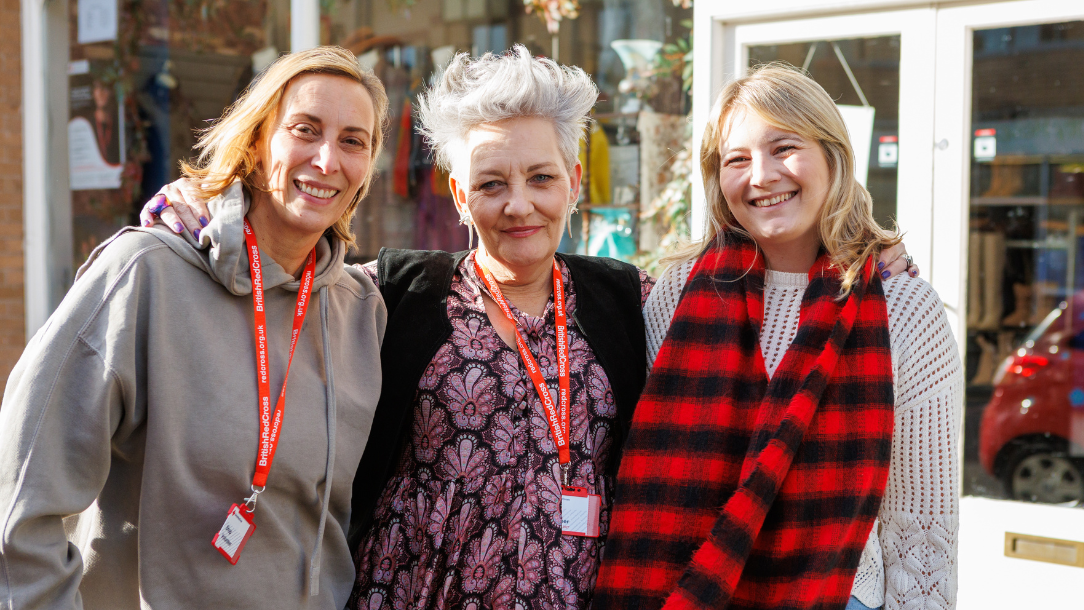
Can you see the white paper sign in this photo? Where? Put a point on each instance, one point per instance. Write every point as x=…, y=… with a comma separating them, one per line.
x=859, y=121
x=97, y=21
x=985, y=147
x=88, y=170
x=574, y=513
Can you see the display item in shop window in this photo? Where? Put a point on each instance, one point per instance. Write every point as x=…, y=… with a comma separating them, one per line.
x=1006, y=179
x=1068, y=183
x=595, y=159
x=1020, y=315
x=992, y=286
x=552, y=12
x=95, y=129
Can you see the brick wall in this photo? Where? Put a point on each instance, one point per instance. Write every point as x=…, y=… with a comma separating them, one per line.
x=12, y=309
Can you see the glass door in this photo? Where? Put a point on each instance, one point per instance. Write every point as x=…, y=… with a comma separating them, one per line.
x=1009, y=204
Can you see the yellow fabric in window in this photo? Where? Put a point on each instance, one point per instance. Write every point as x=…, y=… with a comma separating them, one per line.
x=598, y=168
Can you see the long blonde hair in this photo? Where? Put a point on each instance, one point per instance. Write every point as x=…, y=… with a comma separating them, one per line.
x=228, y=149
x=787, y=99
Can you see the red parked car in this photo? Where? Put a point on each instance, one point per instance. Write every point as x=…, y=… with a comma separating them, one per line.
x=1032, y=432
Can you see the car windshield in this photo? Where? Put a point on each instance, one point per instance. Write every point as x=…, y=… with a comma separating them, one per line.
x=1043, y=326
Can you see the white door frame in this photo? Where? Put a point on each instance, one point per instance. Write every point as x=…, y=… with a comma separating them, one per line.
x=952, y=128
x=988, y=579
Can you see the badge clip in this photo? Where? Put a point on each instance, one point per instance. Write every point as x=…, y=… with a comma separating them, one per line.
x=250, y=502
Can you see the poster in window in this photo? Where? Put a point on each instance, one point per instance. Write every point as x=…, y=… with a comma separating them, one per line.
x=95, y=129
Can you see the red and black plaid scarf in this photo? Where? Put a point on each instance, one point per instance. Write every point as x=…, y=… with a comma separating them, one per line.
x=739, y=492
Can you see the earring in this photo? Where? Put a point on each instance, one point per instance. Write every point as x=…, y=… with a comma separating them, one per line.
x=573, y=209
x=464, y=219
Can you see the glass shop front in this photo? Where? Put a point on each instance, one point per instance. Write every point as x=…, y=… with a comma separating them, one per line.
x=144, y=76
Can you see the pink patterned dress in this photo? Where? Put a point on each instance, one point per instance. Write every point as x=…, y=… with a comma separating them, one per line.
x=471, y=518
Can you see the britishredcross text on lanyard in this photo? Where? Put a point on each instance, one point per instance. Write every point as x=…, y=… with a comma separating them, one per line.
x=579, y=509
x=240, y=522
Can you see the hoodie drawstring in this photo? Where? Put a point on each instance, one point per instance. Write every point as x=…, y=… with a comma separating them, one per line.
x=329, y=372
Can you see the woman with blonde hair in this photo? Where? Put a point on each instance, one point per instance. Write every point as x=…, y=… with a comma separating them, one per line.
x=154, y=454
x=795, y=446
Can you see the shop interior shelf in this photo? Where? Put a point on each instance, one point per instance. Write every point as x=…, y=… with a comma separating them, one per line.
x=1026, y=200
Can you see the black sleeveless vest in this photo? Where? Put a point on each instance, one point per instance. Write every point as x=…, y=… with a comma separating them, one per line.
x=415, y=286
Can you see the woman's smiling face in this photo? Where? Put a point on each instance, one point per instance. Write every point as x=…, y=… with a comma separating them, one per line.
x=316, y=153
x=517, y=190
x=775, y=182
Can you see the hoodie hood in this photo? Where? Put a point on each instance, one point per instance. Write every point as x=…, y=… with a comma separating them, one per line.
x=220, y=251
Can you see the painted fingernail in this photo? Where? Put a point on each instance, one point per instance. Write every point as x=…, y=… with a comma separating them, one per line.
x=148, y=222
x=178, y=227
x=203, y=221
x=885, y=274
x=880, y=265
x=196, y=233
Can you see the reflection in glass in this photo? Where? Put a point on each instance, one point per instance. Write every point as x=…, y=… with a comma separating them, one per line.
x=139, y=91
x=1024, y=426
x=406, y=42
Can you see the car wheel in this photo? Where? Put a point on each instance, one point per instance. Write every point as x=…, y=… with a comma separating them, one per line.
x=1043, y=474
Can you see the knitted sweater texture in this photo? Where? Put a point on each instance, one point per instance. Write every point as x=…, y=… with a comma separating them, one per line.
x=910, y=557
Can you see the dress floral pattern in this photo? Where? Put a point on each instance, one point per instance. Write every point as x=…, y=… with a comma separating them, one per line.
x=471, y=518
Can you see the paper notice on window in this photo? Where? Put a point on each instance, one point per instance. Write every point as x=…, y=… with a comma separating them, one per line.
x=97, y=21
x=859, y=120
x=88, y=170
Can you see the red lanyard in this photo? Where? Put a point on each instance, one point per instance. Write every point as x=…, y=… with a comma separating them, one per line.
x=559, y=421
x=271, y=423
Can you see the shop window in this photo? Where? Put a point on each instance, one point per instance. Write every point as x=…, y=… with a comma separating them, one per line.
x=144, y=77
x=640, y=123
x=1024, y=423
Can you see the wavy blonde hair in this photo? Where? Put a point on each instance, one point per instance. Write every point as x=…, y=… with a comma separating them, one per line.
x=788, y=99
x=228, y=149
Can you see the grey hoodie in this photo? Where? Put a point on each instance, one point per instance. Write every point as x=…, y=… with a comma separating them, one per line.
x=129, y=426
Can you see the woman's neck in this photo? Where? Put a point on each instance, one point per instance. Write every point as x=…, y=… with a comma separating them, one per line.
x=287, y=248
x=788, y=258
x=528, y=288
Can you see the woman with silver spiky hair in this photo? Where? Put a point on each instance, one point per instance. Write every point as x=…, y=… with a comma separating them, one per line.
x=509, y=371
x=469, y=482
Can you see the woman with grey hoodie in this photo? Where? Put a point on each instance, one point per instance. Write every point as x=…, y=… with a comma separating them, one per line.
x=123, y=484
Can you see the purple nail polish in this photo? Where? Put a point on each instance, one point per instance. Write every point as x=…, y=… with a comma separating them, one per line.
x=196, y=234
x=147, y=223
x=885, y=274
x=880, y=265
x=203, y=221
x=178, y=227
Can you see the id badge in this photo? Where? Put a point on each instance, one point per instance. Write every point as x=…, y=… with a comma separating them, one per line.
x=234, y=533
x=579, y=512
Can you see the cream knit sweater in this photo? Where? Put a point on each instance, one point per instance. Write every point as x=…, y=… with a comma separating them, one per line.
x=910, y=557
